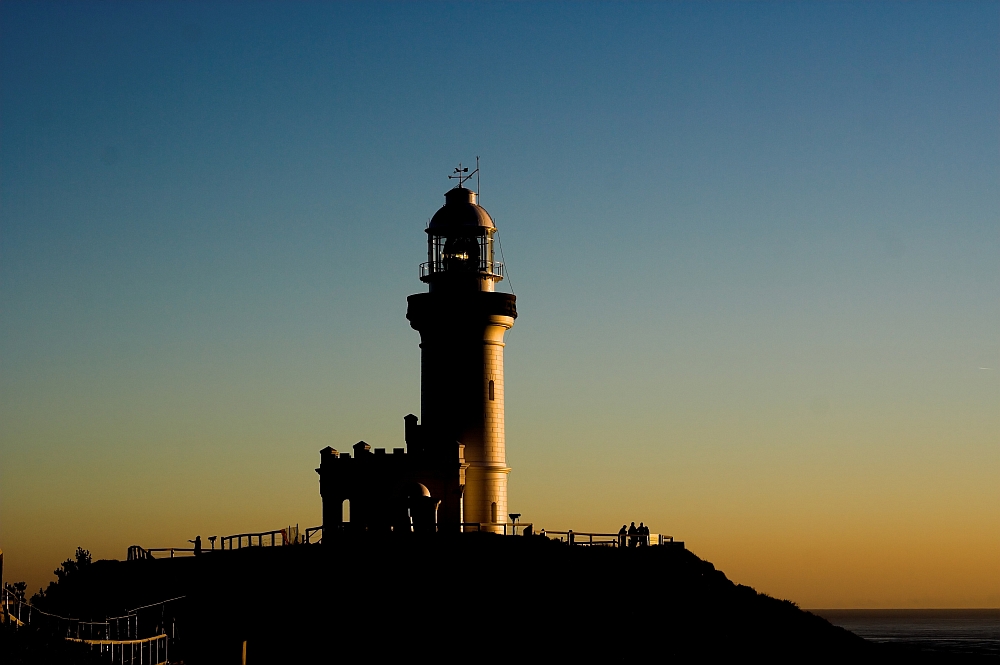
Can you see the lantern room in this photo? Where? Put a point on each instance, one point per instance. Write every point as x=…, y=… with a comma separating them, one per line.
x=460, y=246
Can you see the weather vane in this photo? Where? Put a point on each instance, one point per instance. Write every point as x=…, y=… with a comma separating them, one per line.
x=462, y=174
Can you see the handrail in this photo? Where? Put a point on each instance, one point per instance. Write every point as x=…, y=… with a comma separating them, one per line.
x=139, y=553
x=291, y=536
x=8, y=600
x=492, y=527
x=587, y=538
x=250, y=538
x=96, y=634
x=494, y=269
x=154, y=650
x=161, y=636
x=171, y=550
x=288, y=536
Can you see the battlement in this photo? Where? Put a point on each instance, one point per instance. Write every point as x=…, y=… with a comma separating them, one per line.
x=364, y=453
x=418, y=489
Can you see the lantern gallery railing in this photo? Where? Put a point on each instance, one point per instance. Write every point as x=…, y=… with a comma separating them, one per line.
x=428, y=268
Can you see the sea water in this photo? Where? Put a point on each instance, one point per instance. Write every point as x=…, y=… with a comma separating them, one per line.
x=956, y=631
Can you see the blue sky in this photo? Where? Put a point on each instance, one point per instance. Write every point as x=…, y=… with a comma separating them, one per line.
x=754, y=247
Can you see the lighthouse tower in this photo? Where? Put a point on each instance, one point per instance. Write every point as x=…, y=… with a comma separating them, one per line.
x=462, y=320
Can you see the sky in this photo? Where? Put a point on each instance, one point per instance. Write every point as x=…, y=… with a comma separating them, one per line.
x=754, y=247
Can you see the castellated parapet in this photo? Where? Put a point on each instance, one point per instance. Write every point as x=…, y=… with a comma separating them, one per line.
x=419, y=489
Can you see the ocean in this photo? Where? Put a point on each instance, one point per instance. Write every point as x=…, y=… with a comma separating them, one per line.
x=951, y=631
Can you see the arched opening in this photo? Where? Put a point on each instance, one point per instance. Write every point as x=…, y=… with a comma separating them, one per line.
x=491, y=390
x=345, y=510
x=493, y=512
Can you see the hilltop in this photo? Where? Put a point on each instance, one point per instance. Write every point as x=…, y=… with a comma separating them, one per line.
x=403, y=594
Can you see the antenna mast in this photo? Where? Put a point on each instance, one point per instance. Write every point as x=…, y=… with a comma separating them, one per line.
x=462, y=174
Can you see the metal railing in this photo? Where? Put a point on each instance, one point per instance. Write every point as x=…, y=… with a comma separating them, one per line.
x=276, y=538
x=136, y=552
x=288, y=536
x=503, y=528
x=591, y=539
x=292, y=536
x=226, y=542
x=115, y=639
x=585, y=538
x=151, y=650
x=428, y=268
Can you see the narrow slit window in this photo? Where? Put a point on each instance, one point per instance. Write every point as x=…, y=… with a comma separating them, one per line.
x=493, y=511
x=491, y=390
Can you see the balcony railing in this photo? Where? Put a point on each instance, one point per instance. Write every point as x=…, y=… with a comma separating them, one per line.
x=428, y=268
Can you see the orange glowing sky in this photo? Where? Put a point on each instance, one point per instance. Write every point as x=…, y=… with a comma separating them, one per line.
x=754, y=248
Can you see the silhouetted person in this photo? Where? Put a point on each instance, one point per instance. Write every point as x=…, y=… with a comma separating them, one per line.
x=643, y=535
x=632, y=535
x=197, y=545
x=622, y=536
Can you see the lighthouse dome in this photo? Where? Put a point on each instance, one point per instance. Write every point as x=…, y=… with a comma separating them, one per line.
x=460, y=210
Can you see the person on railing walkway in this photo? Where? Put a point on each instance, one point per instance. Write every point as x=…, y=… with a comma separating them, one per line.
x=197, y=545
x=643, y=535
x=622, y=536
x=633, y=535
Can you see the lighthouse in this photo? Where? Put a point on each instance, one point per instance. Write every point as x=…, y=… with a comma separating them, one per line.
x=453, y=473
x=462, y=320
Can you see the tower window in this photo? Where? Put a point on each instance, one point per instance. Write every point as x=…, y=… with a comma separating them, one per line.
x=493, y=512
x=491, y=399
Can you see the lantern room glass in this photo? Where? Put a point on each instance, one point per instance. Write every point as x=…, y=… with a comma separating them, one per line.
x=461, y=252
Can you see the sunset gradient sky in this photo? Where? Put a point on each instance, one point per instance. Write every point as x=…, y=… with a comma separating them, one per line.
x=756, y=249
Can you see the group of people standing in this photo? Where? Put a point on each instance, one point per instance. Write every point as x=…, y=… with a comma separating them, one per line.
x=634, y=536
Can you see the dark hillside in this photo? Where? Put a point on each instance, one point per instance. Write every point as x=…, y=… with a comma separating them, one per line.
x=402, y=594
